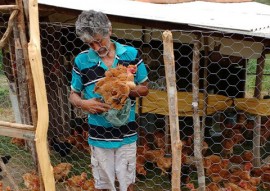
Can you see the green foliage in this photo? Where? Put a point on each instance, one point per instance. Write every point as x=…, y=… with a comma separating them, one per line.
x=1, y=63
x=251, y=76
x=4, y=98
x=263, y=1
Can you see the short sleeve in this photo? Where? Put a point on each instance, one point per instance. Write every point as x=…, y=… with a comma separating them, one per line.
x=76, y=81
x=142, y=74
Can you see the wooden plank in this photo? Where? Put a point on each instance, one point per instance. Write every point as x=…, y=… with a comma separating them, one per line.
x=17, y=125
x=41, y=98
x=173, y=109
x=8, y=7
x=18, y=133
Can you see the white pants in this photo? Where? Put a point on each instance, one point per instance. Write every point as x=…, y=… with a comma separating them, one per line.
x=111, y=164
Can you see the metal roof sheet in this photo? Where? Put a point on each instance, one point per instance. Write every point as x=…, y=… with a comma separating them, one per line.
x=250, y=18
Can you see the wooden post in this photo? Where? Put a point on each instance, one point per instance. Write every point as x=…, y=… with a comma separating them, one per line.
x=257, y=126
x=41, y=98
x=196, y=117
x=173, y=109
x=205, y=85
x=22, y=78
x=24, y=44
x=167, y=135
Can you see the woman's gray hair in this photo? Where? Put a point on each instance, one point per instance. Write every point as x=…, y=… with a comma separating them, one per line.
x=91, y=23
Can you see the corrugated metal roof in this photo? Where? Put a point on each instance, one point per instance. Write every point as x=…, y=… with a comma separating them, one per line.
x=245, y=18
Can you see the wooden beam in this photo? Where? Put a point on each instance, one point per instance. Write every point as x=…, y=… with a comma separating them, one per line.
x=17, y=133
x=8, y=7
x=41, y=98
x=17, y=125
x=176, y=144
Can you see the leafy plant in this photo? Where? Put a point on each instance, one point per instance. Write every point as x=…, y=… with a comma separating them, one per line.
x=263, y=1
x=4, y=98
x=1, y=63
x=251, y=76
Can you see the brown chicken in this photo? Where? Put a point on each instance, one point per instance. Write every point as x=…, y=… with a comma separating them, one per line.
x=191, y=187
x=141, y=150
x=153, y=155
x=116, y=85
x=251, y=184
x=218, y=172
x=247, y=156
x=255, y=181
x=265, y=134
x=77, y=181
x=266, y=177
x=8, y=188
x=217, y=167
x=227, y=146
x=89, y=185
x=232, y=136
x=80, y=142
x=17, y=141
x=233, y=187
x=140, y=162
x=159, y=139
x=211, y=159
x=240, y=174
x=257, y=172
x=229, y=143
x=188, y=146
x=31, y=181
x=61, y=171
x=212, y=187
x=222, y=175
x=164, y=164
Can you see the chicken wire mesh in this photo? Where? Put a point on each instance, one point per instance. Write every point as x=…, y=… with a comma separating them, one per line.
x=227, y=74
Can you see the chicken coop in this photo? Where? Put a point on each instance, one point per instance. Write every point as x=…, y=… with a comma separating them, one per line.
x=205, y=124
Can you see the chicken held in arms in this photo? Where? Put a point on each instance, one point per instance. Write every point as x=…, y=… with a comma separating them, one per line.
x=116, y=85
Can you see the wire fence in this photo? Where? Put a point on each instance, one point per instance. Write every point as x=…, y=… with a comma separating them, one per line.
x=228, y=112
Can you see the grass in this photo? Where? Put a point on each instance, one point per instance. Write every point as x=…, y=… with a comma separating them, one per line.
x=251, y=76
x=22, y=159
x=263, y=1
x=6, y=113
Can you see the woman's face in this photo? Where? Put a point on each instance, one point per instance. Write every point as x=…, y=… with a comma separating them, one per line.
x=101, y=45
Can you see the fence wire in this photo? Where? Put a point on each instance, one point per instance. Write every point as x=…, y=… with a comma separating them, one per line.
x=227, y=124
